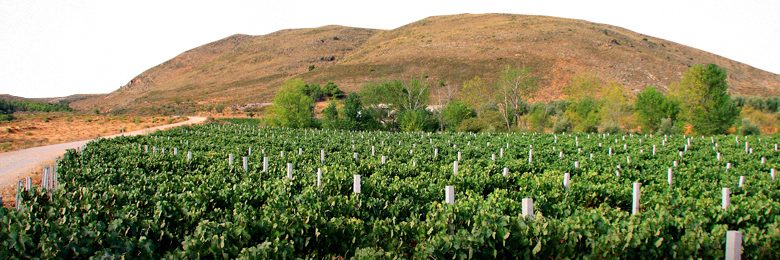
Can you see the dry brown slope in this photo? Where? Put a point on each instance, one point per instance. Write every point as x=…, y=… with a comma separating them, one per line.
x=244, y=69
x=234, y=70
x=459, y=47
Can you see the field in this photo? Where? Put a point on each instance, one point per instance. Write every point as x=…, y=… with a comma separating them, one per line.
x=36, y=129
x=145, y=197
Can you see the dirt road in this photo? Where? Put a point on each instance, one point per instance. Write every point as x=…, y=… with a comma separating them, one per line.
x=21, y=163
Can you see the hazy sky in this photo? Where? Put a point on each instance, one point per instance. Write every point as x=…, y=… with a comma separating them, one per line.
x=55, y=48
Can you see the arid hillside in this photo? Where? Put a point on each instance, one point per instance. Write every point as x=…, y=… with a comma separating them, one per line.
x=243, y=69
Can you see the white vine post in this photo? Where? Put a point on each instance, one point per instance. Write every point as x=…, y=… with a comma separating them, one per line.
x=230, y=160
x=245, y=163
x=384, y=159
x=356, y=183
x=506, y=172
x=566, y=180
x=265, y=163
x=528, y=208
x=455, y=168
x=459, y=156
x=669, y=176
x=289, y=171
x=435, y=152
x=772, y=173
x=322, y=156
x=725, y=198
x=733, y=245
x=319, y=177
x=741, y=181
x=189, y=156
x=373, y=151
x=637, y=193
x=449, y=194
x=653, y=150
x=530, y=156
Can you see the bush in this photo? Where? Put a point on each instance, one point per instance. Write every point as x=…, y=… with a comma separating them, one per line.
x=6, y=117
x=473, y=125
x=611, y=129
x=454, y=113
x=563, y=125
x=748, y=128
x=667, y=127
x=416, y=120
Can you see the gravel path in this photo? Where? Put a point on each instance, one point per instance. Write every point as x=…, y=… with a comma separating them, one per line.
x=16, y=164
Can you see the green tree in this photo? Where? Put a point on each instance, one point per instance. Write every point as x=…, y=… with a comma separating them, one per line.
x=614, y=109
x=292, y=107
x=454, y=113
x=514, y=85
x=355, y=118
x=415, y=120
x=651, y=107
x=330, y=116
x=583, y=111
x=538, y=117
x=704, y=99
x=332, y=90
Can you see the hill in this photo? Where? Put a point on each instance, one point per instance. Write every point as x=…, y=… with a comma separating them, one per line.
x=244, y=69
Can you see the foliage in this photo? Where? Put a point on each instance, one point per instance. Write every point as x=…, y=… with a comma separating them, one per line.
x=765, y=104
x=614, y=109
x=652, y=106
x=6, y=117
x=584, y=114
x=416, y=120
x=582, y=86
x=11, y=106
x=667, y=127
x=562, y=125
x=538, y=117
x=330, y=117
x=455, y=112
x=514, y=85
x=478, y=94
x=241, y=121
x=704, y=99
x=292, y=107
x=313, y=91
x=116, y=198
x=748, y=128
x=332, y=90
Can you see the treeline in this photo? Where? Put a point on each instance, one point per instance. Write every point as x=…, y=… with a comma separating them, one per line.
x=8, y=107
x=699, y=103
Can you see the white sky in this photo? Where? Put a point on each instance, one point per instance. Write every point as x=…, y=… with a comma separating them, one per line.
x=55, y=48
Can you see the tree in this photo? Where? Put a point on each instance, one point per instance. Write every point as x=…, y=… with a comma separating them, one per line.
x=332, y=90
x=513, y=85
x=330, y=116
x=538, y=117
x=314, y=91
x=614, y=108
x=478, y=94
x=652, y=106
x=415, y=95
x=583, y=111
x=454, y=113
x=291, y=106
x=355, y=118
x=704, y=99
x=415, y=120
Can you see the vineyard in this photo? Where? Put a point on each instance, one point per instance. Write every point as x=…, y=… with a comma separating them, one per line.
x=237, y=191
